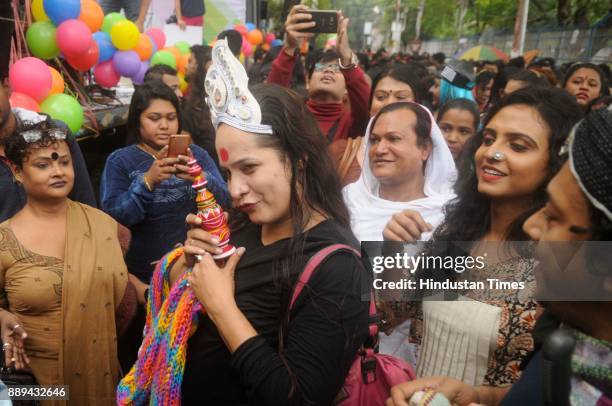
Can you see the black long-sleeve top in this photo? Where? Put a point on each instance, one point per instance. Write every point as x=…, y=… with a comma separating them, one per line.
x=328, y=323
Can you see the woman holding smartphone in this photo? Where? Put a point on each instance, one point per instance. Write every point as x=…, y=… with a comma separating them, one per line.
x=148, y=189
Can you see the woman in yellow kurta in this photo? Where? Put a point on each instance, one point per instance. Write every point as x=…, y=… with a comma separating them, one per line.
x=64, y=288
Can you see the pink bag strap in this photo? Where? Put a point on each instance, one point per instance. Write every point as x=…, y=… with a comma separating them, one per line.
x=314, y=262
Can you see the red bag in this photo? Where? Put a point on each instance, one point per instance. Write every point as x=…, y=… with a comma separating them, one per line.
x=371, y=375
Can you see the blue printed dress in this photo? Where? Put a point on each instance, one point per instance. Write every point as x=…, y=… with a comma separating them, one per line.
x=156, y=219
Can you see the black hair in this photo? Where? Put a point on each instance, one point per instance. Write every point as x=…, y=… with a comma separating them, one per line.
x=605, y=89
x=364, y=60
x=518, y=62
x=402, y=73
x=323, y=57
x=196, y=114
x=301, y=145
x=529, y=77
x=484, y=77
x=16, y=148
x=468, y=217
x=156, y=72
x=141, y=100
x=606, y=70
x=423, y=122
x=234, y=40
x=439, y=57
x=461, y=104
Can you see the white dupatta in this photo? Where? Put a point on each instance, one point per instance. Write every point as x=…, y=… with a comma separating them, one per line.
x=370, y=213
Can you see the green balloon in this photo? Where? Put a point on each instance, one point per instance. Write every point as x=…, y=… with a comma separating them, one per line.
x=64, y=108
x=41, y=40
x=183, y=47
x=163, y=58
x=110, y=20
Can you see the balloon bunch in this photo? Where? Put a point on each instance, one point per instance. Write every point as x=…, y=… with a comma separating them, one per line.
x=253, y=37
x=39, y=87
x=80, y=33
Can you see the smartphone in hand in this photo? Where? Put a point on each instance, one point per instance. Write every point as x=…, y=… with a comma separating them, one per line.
x=178, y=145
x=326, y=21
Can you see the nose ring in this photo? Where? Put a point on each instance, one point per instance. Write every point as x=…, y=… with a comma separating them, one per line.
x=498, y=156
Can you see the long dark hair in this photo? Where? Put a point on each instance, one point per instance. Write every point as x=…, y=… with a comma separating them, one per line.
x=402, y=73
x=196, y=115
x=315, y=185
x=141, y=100
x=468, y=217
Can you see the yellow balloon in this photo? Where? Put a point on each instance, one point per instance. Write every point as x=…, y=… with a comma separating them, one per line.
x=182, y=82
x=38, y=11
x=125, y=35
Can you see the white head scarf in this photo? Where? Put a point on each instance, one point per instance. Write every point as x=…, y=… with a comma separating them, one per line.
x=370, y=213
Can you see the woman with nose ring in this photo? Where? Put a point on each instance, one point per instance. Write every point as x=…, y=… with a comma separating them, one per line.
x=502, y=181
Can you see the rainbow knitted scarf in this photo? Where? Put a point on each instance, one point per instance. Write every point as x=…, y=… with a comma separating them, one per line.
x=158, y=373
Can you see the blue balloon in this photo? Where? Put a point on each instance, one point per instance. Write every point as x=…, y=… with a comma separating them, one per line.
x=276, y=42
x=61, y=10
x=105, y=45
x=250, y=26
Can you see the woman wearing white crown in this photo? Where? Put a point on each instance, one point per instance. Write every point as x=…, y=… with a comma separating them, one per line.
x=253, y=348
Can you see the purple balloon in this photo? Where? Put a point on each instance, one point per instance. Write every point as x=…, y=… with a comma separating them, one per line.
x=126, y=63
x=138, y=79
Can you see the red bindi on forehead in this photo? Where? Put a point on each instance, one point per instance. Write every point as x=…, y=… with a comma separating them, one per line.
x=224, y=155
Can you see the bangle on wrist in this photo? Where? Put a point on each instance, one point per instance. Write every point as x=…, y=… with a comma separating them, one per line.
x=353, y=63
x=146, y=182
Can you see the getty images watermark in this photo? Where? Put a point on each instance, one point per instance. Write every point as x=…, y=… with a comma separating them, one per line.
x=489, y=271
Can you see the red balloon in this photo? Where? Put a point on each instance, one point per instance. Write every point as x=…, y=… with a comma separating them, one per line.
x=241, y=29
x=73, y=37
x=23, y=101
x=157, y=36
x=106, y=75
x=87, y=60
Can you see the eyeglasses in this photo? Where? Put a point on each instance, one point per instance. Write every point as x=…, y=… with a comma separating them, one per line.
x=322, y=67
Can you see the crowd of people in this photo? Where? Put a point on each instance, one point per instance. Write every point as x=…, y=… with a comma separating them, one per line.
x=302, y=152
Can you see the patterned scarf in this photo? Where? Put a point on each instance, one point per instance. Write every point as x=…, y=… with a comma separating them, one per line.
x=158, y=373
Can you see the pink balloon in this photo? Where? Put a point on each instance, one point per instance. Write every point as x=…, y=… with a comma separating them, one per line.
x=73, y=37
x=32, y=77
x=157, y=36
x=23, y=101
x=247, y=49
x=106, y=75
x=269, y=38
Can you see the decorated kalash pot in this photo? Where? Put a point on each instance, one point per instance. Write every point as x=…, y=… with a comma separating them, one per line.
x=210, y=212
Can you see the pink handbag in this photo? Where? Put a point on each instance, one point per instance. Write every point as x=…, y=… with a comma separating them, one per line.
x=371, y=375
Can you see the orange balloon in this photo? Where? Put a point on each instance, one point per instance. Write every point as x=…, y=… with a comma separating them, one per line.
x=57, y=81
x=255, y=37
x=144, y=47
x=265, y=47
x=91, y=14
x=174, y=51
x=182, y=62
